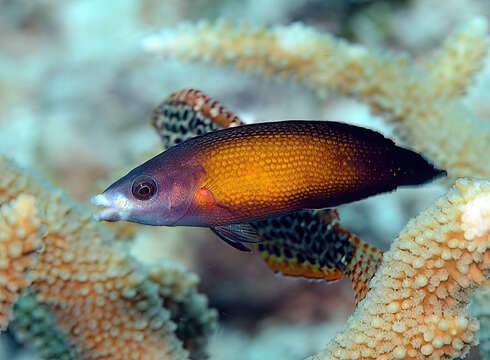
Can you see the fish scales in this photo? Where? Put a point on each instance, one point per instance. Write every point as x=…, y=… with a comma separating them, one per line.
x=253, y=170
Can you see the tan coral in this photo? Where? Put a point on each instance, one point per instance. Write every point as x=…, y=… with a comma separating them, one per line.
x=459, y=59
x=20, y=237
x=416, y=308
x=97, y=293
x=424, y=105
x=188, y=308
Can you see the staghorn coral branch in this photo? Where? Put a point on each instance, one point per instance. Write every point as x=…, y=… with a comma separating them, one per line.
x=177, y=288
x=34, y=325
x=101, y=298
x=417, y=305
x=318, y=60
x=96, y=292
x=422, y=104
x=459, y=59
x=20, y=237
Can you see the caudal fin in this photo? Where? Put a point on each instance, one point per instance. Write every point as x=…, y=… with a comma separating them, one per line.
x=413, y=168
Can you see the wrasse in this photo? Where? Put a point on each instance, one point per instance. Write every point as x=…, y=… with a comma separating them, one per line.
x=309, y=244
x=251, y=172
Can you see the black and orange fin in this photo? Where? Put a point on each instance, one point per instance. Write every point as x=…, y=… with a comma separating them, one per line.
x=189, y=113
x=364, y=264
x=293, y=263
x=236, y=234
x=313, y=245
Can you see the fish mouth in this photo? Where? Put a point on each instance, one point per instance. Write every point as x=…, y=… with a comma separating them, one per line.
x=112, y=211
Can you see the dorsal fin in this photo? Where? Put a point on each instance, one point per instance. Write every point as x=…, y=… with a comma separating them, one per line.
x=188, y=113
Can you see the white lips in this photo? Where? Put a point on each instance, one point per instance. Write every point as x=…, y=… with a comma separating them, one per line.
x=117, y=207
x=107, y=215
x=100, y=200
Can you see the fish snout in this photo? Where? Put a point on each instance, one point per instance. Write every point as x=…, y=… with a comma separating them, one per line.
x=116, y=207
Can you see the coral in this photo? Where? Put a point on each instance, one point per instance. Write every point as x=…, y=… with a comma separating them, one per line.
x=34, y=325
x=423, y=104
x=426, y=246
x=20, y=237
x=459, y=59
x=177, y=288
x=99, y=296
x=417, y=305
x=480, y=308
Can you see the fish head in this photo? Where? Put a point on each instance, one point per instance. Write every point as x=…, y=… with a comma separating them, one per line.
x=149, y=197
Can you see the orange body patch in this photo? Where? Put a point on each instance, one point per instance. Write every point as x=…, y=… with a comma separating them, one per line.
x=204, y=199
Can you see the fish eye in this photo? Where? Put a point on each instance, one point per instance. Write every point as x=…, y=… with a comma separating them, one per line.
x=144, y=188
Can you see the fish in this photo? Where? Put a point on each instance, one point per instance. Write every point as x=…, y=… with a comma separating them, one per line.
x=310, y=244
x=255, y=171
x=307, y=243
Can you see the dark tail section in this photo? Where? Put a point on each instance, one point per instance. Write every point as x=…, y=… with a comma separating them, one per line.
x=412, y=168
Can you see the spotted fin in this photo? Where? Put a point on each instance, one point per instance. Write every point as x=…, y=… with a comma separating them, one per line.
x=304, y=244
x=364, y=264
x=189, y=113
x=311, y=244
x=291, y=267
x=236, y=234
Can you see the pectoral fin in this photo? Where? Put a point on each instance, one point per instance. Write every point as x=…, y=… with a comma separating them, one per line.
x=236, y=234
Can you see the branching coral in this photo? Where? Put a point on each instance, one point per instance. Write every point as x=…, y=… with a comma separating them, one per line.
x=426, y=107
x=34, y=325
x=100, y=297
x=417, y=305
x=20, y=237
x=424, y=104
x=459, y=59
x=188, y=309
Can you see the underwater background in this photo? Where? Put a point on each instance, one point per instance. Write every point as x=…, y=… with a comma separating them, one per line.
x=77, y=92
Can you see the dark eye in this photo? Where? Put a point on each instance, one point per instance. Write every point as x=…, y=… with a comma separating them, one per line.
x=144, y=188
